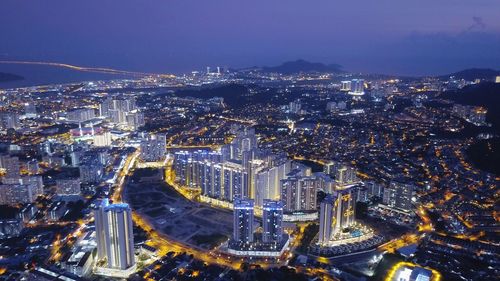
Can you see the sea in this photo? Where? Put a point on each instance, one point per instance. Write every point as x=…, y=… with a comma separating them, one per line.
x=36, y=75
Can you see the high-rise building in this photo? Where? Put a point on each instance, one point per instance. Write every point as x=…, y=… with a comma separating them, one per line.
x=343, y=209
x=245, y=141
x=399, y=195
x=91, y=170
x=134, y=119
x=243, y=223
x=122, y=111
x=103, y=139
x=11, y=165
x=272, y=221
x=253, y=167
x=375, y=189
x=68, y=186
x=28, y=212
x=30, y=110
x=80, y=115
x=234, y=181
x=295, y=106
x=105, y=106
x=114, y=234
x=329, y=168
x=336, y=214
x=225, y=180
x=117, y=116
x=345, y=86
x=346, y=175
x=298, y=193
x=9, y=120
x=268, y=181
x=99, y=229
x=326, y=216
x=325, y=182
x=11, y=194
x=153, y=147
x=357, y=87
x=342, y=173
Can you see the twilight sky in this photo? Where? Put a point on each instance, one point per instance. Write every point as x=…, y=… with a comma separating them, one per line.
x=382, y=36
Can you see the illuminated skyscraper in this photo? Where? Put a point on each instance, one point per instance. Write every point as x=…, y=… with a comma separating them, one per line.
x=345, y=86
x=342, y=173
x=326, y=219
x=343, y=209
x=357, y=87
x=336, y=214
x=234, y=181
x=153, y=147
x=272, y=220
x=243, y=221
x=115, y=237
x=299, y=193
x=268, y=181
x=99, y=229
x=399, y=195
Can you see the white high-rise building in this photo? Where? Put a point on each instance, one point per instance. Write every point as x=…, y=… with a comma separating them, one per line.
x=342, y=173
x=268, y=181
x=103, y=139
x=326, y=219
x=336, y=214
x=345, y=86
x=114, y=234
x=357, y=87
x=80, y=115
x=298, y=194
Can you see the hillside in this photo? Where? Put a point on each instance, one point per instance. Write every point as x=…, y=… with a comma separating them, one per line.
x=474, y=73
x=483, y=94
x=234, y=95
x=485, y=154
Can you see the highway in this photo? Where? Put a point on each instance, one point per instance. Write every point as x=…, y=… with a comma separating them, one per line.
x=160, y=241
x=88, y=69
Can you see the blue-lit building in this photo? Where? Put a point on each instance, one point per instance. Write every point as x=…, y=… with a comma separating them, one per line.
x=272, y=221
x=243, y=223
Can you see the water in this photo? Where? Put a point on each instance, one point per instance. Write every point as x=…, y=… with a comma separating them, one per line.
x=44, y=75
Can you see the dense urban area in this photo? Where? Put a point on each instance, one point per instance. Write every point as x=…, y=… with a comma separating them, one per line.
x=278, y=173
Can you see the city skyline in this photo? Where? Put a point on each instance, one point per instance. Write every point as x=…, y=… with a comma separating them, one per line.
x=259, y=141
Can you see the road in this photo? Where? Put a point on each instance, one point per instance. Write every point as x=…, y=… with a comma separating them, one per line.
x=88, y=69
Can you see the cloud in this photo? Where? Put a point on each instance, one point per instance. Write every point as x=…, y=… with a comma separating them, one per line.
x=477, y=24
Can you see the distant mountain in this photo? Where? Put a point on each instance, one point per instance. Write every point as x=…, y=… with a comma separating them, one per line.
x=299, y=66
x=474, y=73
x=4, y=77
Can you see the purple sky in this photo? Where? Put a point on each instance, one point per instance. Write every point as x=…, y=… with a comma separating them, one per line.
x=383, y=36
